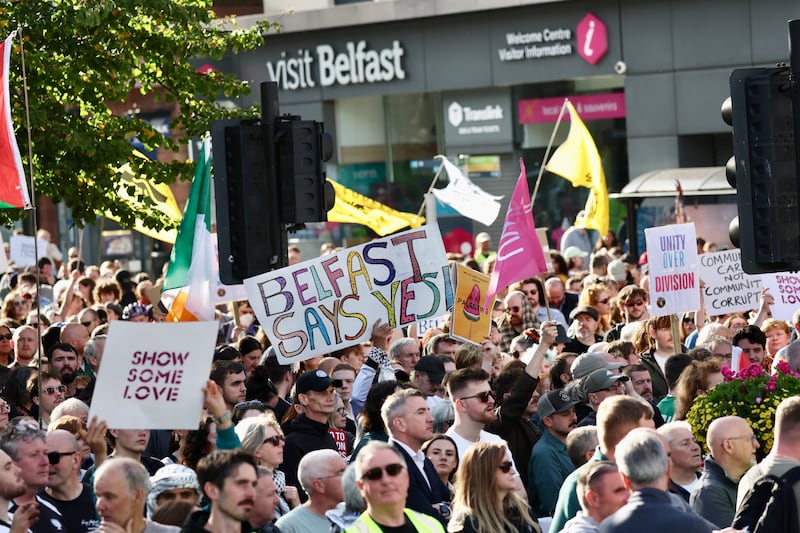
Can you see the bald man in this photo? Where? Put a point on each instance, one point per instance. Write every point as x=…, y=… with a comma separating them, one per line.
x=733, y=451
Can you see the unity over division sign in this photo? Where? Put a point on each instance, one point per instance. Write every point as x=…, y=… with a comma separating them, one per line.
x=333, y=301
x=152, y=374
x=673, y=268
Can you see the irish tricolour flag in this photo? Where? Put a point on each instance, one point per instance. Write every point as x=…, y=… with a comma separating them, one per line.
x=189, y=269
x=13, y=189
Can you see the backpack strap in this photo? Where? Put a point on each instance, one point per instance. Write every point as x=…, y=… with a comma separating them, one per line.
x=791, y=477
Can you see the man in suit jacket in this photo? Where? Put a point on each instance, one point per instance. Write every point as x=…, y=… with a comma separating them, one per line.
x=409, y=423
x=559, y=298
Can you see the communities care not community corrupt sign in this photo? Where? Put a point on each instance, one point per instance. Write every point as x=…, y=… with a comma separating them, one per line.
x=152, y=374
x=333, y=301
x=728, y=288
x=673, y=267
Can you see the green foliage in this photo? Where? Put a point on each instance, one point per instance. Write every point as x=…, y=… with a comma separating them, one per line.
x=81, y=56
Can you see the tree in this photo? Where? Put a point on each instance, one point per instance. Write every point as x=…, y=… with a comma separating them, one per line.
x=83, y=56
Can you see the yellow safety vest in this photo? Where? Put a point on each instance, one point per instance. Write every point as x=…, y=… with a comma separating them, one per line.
x=422, y=523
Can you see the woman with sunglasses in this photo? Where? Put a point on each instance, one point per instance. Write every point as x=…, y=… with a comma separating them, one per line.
x=598, y=296
x=337, y=424
x=262, y=436
x=16, y=305
x=485, y=501
x=6, y=348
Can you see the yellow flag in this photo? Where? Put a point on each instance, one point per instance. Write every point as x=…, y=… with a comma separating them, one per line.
x=353, y=207
x=160, y=193
x=577, y=161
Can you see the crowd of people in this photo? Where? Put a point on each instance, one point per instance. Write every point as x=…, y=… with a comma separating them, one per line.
x=569, y=416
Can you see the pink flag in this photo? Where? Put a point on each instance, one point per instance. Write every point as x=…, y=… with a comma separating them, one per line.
x=519, y=254
x=13, y=189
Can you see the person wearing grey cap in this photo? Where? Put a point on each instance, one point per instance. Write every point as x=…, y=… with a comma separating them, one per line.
x=599, y=385
x=550, y=464
x=584, y=327
x=581, y=367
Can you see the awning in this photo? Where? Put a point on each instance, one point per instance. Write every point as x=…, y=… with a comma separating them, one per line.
x=696, y=181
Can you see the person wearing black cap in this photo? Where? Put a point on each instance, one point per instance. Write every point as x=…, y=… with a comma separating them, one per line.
x=427, y=377
x=308, y=431
x=584, y=320
x=550, y=464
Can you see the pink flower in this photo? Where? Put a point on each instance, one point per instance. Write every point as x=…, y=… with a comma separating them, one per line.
x=759, y=400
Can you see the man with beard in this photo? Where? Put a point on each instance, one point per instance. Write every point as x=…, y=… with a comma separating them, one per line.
x=25, y=346
x=550, y=464
x=64, y=361
x=76, y=335
x=632, y=301
x=228, y=479
x=473, y=404
x=13, y=486
x=25, y=443
x=519, y=316
x=121, y=486
x=584, y=324
x=47, y=392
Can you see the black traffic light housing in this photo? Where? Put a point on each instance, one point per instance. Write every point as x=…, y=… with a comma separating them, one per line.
x=764, y=168
x=269, y=178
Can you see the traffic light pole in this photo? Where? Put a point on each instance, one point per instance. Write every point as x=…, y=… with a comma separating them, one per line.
x=278, y=241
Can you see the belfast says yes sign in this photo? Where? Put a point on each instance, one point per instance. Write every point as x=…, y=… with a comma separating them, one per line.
x=333, y=301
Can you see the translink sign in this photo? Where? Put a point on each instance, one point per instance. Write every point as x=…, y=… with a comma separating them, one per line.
x=327, y=67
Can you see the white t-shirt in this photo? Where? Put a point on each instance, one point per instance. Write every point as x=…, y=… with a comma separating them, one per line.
x=463, y=444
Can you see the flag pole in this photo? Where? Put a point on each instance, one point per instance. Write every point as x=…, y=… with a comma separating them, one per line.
x=547, y=151
x=435, y=179
x=32, y=206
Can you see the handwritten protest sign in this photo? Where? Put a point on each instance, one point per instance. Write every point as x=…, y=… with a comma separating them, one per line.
x=333, y=301
x=728, y=288
x=425, y=324
x=471, y=320
x=785, y=289
x=152, y=375
x=672, y=259
x=23, y=251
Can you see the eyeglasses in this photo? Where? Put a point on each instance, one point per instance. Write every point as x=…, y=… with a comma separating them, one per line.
x=250, y=404
x=275, y=440
x=506, y=466
x=374, y=474
x=604, y=301
x=513, y=309
x=482, y=396
x=532, y=292
x=335, y=474
x=55, y=457
x=19, y=303
x=7, y=336
x=637, y=303
x=52, y=390
x=616, y=387
x=688, y=320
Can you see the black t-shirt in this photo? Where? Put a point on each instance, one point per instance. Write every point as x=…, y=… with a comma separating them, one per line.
x=408, y=527
x=50, y=519
x=77, y=515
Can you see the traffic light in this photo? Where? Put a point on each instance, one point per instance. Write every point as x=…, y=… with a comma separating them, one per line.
x=269, y=177
x=764, y=168
x=251, y=235
x=303, y=147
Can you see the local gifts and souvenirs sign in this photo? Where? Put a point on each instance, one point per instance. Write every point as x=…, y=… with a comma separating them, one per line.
x=333, y=301
x=152, y=374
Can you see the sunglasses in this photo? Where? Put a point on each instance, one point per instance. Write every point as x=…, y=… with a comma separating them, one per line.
x=275, y=440
x=250, y=404
x=19, y=303
x=506, y=466
x=52, y=390
x=374, y=474
x=7, y=336
x=482, y=396
x=513, y=309
x=26, y=425
x=86, y=324
x=604, y=301
x=55, y=457
x=637, y=303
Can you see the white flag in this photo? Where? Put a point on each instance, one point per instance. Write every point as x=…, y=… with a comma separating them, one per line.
x=466, y=197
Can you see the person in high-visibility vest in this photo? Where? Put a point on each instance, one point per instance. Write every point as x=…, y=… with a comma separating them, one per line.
x=383, y=479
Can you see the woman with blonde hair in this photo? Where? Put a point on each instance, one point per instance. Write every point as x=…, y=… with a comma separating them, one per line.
x=598, y=295
x=485, y=501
